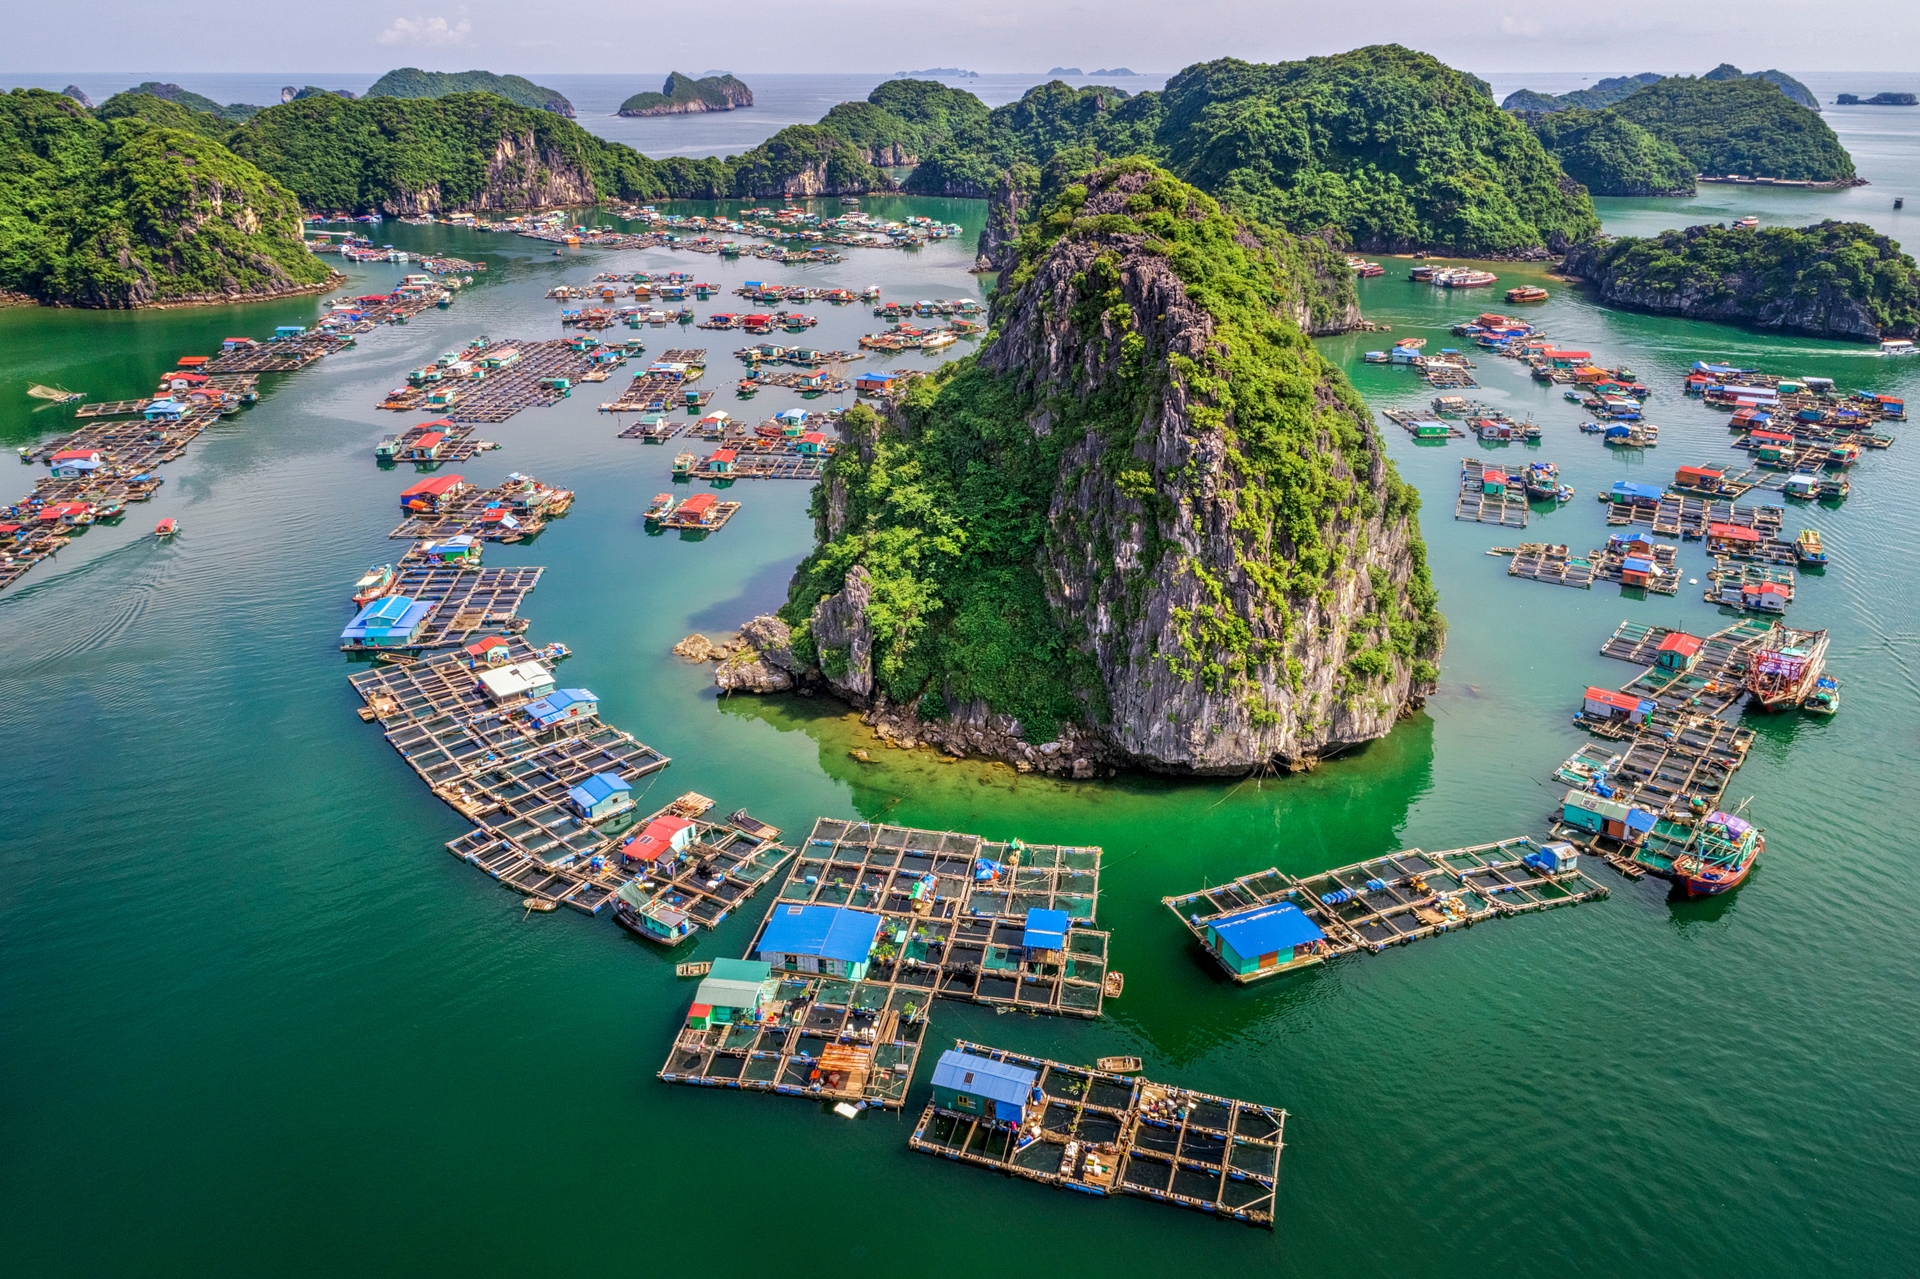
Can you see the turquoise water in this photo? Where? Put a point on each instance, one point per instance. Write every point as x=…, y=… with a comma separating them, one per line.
x=256, y=1020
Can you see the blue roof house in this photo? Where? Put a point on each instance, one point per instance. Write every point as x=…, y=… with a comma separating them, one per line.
x=563, y=706
x=392, y=622
x=1045, y=939
x=982, y=1088
x=1263, y=940
x=831, y=940
x=601, y=796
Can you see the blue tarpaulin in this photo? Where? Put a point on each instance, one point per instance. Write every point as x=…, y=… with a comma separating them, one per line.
x=825, y=932
x=1629, y=489
x=1266, y=929
x=984, y=1077
x=1046, y=930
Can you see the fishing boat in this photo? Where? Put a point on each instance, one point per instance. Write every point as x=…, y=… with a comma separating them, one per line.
x=683, y=463
x=1825, y=697
x=663, y=504
x=1720, y=856
x=746, y=389
x=1808, y=548
x=374, y=583
x=1528, y=293
x=1118, y=1065
x=167, y=527
x=556, y=651
x=541, y=904
x=1783, y=675
x=1543, y=482
x=52, y=394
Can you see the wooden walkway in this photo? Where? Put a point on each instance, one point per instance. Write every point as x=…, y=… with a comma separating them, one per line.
x=1105, y=1134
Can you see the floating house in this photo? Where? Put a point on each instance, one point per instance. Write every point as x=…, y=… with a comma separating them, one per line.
x=520, y=681
x=433, y=494
x=662, y=837
x=1678, y=652
x=831, y=940
x=1264, y=940
x=1430, y=430
x=490, y=651
x=392, y=622
x=502, y=359
x=722, y=461
x=811, y=442
x=1801, y=485
x=1703, y=479
x=982, y=1088
x=733, y=992
x=873, y=384
x=563, y=706
x=659, y=920
x=601, y=796
x=1628, y=492
x=164, y=410
x=1045, y=936
x=425, y=448
x=461, y=548
x=1733, y=539
x=1609, y=817
x=698, y=509
x=76, y=468
x=1607, y=705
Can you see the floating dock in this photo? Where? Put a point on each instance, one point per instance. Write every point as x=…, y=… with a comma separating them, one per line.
x=1508, y=507
x=959, y=934
x=1546, y=562
x=1105, y=1134
x=1387, y=901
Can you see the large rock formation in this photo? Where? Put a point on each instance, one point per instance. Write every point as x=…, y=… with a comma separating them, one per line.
x=1835, y=280
x=1146, y=526
x=683, y=95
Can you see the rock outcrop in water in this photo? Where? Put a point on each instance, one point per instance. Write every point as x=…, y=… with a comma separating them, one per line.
x=683, y=95
x=1834, y=280
x=1146, y=526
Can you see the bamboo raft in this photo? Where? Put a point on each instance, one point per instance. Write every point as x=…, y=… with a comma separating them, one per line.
x=1102, y=1133
x=1507, y=508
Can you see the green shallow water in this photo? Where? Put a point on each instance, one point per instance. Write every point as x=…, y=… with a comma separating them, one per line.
x=256, y=1020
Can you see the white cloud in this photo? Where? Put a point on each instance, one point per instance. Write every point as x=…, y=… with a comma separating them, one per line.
x=430, y=32
x=1529, y=28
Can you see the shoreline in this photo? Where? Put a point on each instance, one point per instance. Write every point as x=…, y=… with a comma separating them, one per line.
x=333, y=281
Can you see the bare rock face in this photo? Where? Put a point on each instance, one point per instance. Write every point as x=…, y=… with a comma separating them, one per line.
x=697, y=648
x=79, y=95
x=772, y=639
x=844, y=639
x=521, y=174
x=750, y=672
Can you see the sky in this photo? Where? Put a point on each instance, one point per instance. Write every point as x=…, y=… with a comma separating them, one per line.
x=990, y=36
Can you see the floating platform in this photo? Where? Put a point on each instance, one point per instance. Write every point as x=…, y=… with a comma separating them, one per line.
x=466, y=513
x=1664, y=774
x=657, y=432
x=1507, y=508
x=1553, y=564
x=1610, y=565
x=282, y=355
x=1710, y=686
x=1102, y=1134
x=719, y=514
x=1418, y=894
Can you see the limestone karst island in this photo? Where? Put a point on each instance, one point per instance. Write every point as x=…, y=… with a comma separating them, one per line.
x=1255, y=620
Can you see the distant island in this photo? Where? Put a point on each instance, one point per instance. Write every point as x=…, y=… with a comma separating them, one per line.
x=412, y=82
x=291, y=94
x=949, y=72
x=1066, y=71
x=1605, y=93
x=1115, y=71
x=682, y=95
x=1877, y=100
x=193, y=101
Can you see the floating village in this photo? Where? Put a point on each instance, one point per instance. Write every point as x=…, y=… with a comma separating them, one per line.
x=867, y=926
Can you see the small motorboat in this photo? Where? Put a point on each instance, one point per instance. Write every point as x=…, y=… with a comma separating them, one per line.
x=373, y=584
x=1113, y=985
x=1807, y=548
x=167, y=527
x=1825, y=697
x=1118, y=1065
x=1749, y=223
x=556, y=651
x=1528, y=293
x=661, y=507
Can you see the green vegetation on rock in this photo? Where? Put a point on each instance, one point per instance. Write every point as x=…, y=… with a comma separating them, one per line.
x=412, y=82
x=1794, y=90
x=1611, y=155
x=1837, y=279
x=118, y=213
x=1146, y=422
x=683, y=94
x=192, y=101
x=1393, y=146
x=1739, y=126
x=903, y=119
x=165, y=113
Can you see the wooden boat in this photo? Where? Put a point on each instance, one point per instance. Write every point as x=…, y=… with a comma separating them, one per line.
x=1782, y=675
x=1118, y=1065
x=698, y=968
x=1721, y=856
x=540, y=904
x=661, y=507
x=1825, y=697
x=556, y=651
x=167, y=527
x=1528, y=293
x=683, y=463
x=1113, y=985
x=373, y=584
x=1808, y=548
x=1748, y=223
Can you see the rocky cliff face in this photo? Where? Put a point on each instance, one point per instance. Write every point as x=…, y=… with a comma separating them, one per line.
x=521, y=174
x=1148, y=497
x=1835, y=280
